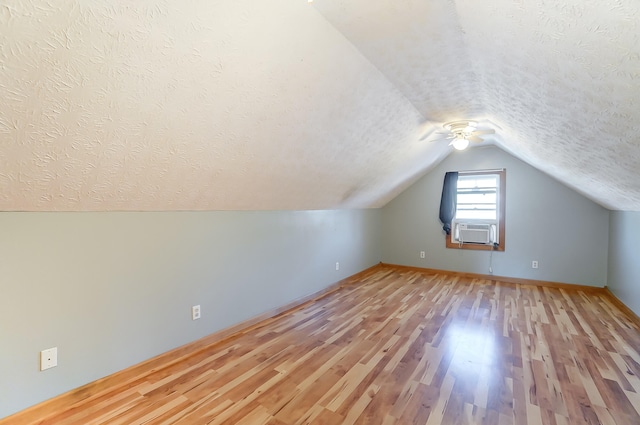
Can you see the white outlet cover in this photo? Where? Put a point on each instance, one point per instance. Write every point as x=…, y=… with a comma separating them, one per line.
x=48, y=358
x=337, y=266
x=422, y=254
x=195, y=312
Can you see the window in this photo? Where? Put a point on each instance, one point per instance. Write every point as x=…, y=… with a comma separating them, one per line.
x=477, y=197
x=480, y=211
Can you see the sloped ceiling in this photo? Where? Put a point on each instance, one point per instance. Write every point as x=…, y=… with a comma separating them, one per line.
x=281, y=104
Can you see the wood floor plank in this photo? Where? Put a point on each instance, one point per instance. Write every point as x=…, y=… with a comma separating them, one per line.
x=399, y=346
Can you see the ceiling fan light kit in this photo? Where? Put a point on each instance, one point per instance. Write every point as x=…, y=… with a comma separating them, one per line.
x=460, y=143
x=462, y=132
x=462, y=126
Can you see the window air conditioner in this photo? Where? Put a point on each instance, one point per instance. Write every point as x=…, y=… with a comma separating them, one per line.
x=480, y=233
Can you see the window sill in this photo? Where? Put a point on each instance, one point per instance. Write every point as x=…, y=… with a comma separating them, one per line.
x=471, y=246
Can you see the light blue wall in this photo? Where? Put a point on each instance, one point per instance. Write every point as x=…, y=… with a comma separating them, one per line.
x=113, y=289
x=624, y=258
x=545, y=221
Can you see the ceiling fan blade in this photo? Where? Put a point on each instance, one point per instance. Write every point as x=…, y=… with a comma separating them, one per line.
x=440, y=138
x=425, y=135
x=431, y=133
x=483, y=131
x=493, y=124
x=427, y=128
x=474, y=139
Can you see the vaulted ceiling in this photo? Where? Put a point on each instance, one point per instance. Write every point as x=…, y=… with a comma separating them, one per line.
x=284, y=104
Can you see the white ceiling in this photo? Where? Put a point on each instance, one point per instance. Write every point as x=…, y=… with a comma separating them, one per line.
x=281, y=104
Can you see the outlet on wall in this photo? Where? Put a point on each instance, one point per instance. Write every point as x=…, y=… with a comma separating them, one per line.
x=337, y=266
x=422, y=254
x=534, y=264
x=48, y=358
x=195, y=312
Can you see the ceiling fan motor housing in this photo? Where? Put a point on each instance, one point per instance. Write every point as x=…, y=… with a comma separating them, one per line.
x=461, y=129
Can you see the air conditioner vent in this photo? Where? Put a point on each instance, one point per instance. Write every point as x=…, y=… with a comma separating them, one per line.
x=482, y=227
x=478, y=233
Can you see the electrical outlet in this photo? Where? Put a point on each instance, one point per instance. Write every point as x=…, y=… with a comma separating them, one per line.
x=422, y=254
x=337, y=266
x=195, y=312
x=534, y=264
x=48, y=358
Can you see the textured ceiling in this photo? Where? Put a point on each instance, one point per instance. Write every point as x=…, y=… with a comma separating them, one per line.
x=561, y=79
x=238, y=104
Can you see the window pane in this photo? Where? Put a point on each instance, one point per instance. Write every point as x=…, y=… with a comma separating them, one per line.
x=476, y=207
x=473, y=198
x=477, y=181
x=476, y=214
x=477, y=197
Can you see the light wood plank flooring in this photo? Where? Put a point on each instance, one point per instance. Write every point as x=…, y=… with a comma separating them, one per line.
x=402, y=346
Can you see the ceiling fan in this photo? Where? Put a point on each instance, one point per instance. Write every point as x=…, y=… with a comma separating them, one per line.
x=462, y=132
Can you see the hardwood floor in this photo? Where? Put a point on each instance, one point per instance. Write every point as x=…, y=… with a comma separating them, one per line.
x=402, y=346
